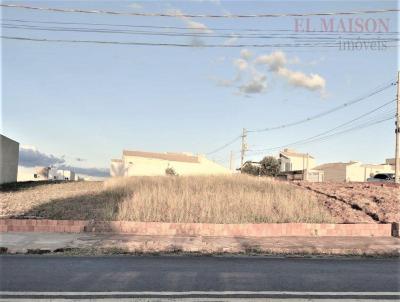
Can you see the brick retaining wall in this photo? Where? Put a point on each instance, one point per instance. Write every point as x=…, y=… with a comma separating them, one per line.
x=198, y=229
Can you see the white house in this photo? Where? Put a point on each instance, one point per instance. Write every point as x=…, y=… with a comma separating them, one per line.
x=9, y=154
x=140, y=163
x=299, y=166
x=291, y=160
x=353, y=171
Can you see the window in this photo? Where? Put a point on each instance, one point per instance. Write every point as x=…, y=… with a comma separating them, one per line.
x=35, y=175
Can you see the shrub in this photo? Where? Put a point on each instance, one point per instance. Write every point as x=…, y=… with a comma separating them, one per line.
x=249, y=168
x=170, y=171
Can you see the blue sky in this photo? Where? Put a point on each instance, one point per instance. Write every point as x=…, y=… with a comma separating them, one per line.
x=92, y=101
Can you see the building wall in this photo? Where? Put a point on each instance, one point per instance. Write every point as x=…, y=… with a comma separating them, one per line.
x=29, y=173
x=9, y=153
x=334, y=173
x=297, y=163
x=359, y=172
x=55, y=174
x=140, y=166
x=353, y=172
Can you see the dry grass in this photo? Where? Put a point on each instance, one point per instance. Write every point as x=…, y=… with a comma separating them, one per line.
x=212, y=199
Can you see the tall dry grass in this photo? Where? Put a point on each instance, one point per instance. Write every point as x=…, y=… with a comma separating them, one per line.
x=213, y=199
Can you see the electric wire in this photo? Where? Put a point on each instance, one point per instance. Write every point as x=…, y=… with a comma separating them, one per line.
x=326, y=112
x=174, y=15
x=191, y=29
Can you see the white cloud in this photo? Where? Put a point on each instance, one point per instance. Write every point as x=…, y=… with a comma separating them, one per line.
x=194, y=25
x=299, y=79
x=240, y=64
x=251, y=80
x=257, y=84
x=135, y=6
x=277, y=62
x=274, y=60
x=246, y=54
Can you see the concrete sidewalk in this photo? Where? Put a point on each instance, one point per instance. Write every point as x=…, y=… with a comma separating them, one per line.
x=17, y=242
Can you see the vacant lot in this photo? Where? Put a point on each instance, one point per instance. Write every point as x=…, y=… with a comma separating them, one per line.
x=361, y=202
x=222, y=199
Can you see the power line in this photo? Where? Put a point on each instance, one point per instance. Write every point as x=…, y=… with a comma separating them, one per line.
x=324, y=113
x=139, y=14
x=302, y=37
x=199, y=30
x=189, y=45
x=312, y=138
x=365, y=125
x=377, y=90
x=370, y=122
x=225, y=145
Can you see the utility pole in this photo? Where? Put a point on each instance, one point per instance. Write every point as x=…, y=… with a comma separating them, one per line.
x=397, y=131
x=244, y=147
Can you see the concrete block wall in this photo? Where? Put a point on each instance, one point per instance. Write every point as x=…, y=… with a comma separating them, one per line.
x=199, y=229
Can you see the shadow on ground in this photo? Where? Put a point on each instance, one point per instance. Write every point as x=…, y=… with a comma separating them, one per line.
x=23, y=185
x=97, y=206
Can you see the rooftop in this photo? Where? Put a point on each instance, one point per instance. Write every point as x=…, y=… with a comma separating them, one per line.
x=293, y=153
x=180, y=157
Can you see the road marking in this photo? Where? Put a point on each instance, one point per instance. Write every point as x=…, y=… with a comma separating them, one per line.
x=203, y=293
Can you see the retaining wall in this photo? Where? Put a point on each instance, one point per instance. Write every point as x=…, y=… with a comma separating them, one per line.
x=200, y=229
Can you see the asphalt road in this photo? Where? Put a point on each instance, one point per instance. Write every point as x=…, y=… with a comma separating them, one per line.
x=177, y=276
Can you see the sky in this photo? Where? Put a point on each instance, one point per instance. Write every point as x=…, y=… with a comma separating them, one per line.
x=81, y=104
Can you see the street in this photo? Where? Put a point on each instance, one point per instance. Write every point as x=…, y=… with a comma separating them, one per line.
x=189, y=276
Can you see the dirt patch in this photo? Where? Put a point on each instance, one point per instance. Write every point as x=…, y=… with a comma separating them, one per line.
x=358, y=202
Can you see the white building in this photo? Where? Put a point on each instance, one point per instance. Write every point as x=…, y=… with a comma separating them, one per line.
x=291, y=160
x=353, y=171
x=299, y=166
x=139, y=163
x=61, y=174
x=32, y=173
x=44, y=173
x=9, y=154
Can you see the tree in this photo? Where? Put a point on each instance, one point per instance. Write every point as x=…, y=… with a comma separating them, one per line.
x=269, y=166
x=249, y=168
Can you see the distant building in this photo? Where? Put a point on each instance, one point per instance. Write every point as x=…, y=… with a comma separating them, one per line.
x=299, y=166
x=390, y=161
x=352, y=171
x=140, y=163
x=9, y=154
x=61, y=174
x=292, y=160
x=44, y=173
x=32, y=173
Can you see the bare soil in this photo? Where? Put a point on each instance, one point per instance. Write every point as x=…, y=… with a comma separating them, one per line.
x=359, y=202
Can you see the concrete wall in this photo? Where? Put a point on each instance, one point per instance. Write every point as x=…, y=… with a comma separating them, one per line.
x=197, y=229
x=141, y=166
x=334, y=173
x=9, y=153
